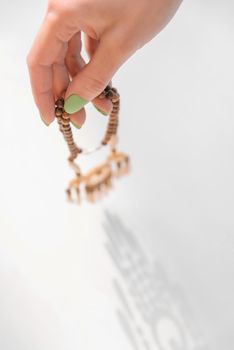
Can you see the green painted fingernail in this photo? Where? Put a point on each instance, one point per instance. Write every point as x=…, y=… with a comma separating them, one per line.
x=76, y=125
x=44, y=120
x=74, y=103
x=101, y=111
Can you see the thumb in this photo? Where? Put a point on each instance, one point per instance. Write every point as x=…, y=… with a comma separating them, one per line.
x=92, y=79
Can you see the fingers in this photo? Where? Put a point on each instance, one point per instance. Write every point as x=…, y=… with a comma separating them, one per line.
x=104, y=105
x=93, y=77
x=60, y=75
x=75, y=63
x=45, y=57
x=78, y=118
x=90, y=45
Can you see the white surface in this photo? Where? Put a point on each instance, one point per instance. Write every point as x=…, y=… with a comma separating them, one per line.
x=58, y=281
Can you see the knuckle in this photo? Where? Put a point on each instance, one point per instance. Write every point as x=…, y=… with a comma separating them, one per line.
x=63, y=8
x=61, y=19
x=53, y=17
x=93, y=85
x=57, y=9
x=118, y=47
x=30, y=60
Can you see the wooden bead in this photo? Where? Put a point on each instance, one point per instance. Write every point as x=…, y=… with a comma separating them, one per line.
x=58, y=112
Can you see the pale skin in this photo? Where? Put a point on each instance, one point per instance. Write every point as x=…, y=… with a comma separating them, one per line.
x=113, y=31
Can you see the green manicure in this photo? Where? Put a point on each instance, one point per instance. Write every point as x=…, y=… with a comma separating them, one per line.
x=74, y=103
x=44, y=120
x=75, y=125
x=101, y=111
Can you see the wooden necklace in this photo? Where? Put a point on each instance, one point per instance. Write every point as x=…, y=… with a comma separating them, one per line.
x=99, y=179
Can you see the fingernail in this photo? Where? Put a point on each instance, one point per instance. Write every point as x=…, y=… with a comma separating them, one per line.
x=101, y=111
x=42, y=118
x=74, y=103
x=76, y=125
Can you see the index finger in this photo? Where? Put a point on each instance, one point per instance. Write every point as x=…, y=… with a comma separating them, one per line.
x=48, y=47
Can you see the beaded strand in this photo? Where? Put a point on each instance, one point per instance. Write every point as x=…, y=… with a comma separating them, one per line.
x=99, y=179
x=63, y=119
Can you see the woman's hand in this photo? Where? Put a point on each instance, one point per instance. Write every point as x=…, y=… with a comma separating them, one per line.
x=114, y=30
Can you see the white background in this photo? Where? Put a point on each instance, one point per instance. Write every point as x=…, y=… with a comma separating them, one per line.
x=177, y=123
